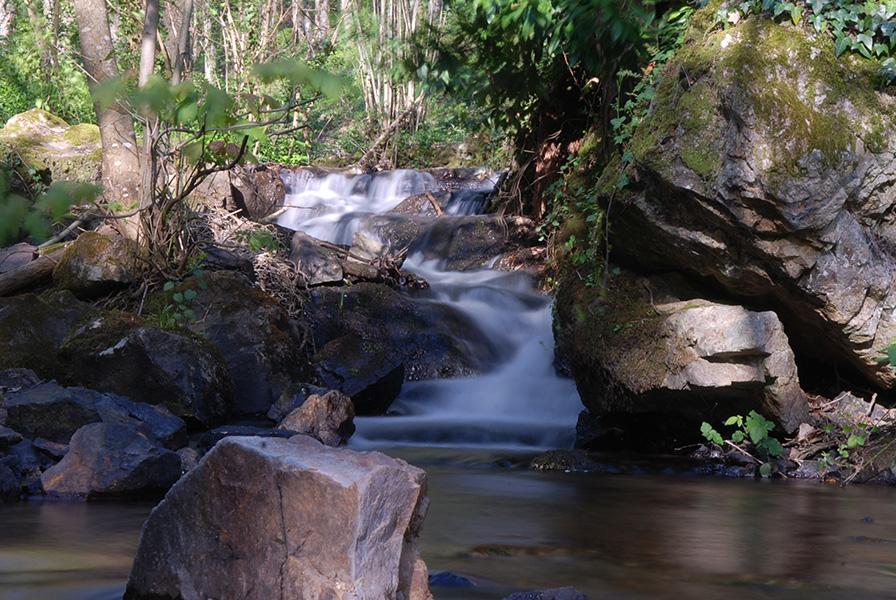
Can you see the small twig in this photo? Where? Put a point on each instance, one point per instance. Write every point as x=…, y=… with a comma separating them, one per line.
x=742, y=451
x=435, y=204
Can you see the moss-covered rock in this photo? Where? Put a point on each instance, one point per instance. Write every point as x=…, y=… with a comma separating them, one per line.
x=766, y=168
x=47, y=143
x=97, y=264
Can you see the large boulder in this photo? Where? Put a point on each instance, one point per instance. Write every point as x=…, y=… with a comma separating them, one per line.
x=255, y=337
x=767, y=166
x=431, y=340
x=124, y=354
x=33, y=327
x=652, y=364
x=275, y=519
x=118, y=457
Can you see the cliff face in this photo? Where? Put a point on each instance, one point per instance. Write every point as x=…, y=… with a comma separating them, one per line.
x=765, y=175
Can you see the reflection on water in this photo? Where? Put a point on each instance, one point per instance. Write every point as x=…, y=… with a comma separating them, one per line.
x=510, y=529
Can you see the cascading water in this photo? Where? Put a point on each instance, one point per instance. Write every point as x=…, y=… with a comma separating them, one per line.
x=520, y=402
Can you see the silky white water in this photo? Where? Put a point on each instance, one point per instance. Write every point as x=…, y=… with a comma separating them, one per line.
x=520, y=402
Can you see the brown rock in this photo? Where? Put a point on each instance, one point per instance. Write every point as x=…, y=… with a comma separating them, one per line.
x=278, y=519
x=328, y=418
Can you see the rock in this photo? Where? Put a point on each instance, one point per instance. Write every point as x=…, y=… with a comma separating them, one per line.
x=255, y=337
x=47, y=143
x=563, y=460
x=8, y=437
x=770, y=174
x=467, y=243
x=328, y=418
x=52, y=412
x=125, y=355
x=292, y=398
x=210, y=438
x=419, y=205
x=366, y=370
x=279, y=519
x=317, y=265
x=55, y=451
x=450, y=580
x=432, y=340
x=113, y=459
x=55, y=413
x=653, y=371
x=256, y=192
x=2, y=410
x=10, y=486
x=33, y=327
x=189, y=458
x=16, y=380
x=565, y=593
x=94, y=265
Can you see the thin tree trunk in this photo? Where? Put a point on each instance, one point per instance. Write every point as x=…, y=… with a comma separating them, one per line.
x=182, y=62
x=121, y=166
x=148, y=41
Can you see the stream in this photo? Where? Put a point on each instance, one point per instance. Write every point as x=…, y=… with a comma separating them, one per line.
x=493, y=522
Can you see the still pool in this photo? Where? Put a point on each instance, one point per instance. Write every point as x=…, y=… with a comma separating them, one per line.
x=509, y=529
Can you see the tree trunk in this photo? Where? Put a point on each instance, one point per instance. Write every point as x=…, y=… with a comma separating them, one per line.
x=7, y=19
x=121, y=166
x=148, y=41
x=182, y=63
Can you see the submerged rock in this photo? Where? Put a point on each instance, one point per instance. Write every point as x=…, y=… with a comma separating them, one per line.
x=566, y=593
x=279, y=519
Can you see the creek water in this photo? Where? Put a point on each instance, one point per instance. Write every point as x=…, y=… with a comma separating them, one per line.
x=496, y=523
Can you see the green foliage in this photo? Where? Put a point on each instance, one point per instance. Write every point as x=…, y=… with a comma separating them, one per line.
x=178, y=311
x=867, y=28
x=258, y=240
x=845, y=440
x=752, y=430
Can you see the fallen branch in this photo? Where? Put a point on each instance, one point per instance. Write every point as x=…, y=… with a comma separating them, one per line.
x=29, y=274
x=435, y=204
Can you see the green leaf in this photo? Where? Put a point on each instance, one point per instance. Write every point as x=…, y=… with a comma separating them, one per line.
x=178, y=297
x=190, y=294
x=843, y=43
x=738, y=436
x=773, y=446
x=735, y=420
x=765, y=469
x=169, y=285
x=711, y=434
x=108, y=91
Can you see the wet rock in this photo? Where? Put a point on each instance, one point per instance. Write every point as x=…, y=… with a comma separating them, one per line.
x=566, y=593
x=563, y=460
x=125, y=355
x=292, y=518
x=328, y=418
x=254, y=336
x=317, y=265
x=33, y=327
x=451, y=580
x=467, y=243
x=292, y=398
x=210, y=438
x=115, y=458
x=432, y=340
x=420, y=205
x=366, y=370
x=96, y=264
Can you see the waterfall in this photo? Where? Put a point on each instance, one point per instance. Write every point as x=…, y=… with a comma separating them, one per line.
x=521, y=402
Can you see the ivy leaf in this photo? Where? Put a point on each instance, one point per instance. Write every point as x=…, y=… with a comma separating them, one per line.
x=843, y=43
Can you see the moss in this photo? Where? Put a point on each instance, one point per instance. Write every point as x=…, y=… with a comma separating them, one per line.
x=100, y=333
x=787, y=85
x=82, y=133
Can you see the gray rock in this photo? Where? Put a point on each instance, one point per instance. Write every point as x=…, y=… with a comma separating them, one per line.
x=212, y=437
x=16, y=380
x=125, y=355
x=280, y=519
x=8, y=437
x=10, y=483
x=318, y=265
x=54, y=413
x=51, y=411
x=432, y=340
x=254, y=336
x=112, y=459
x=368, y=371
x=328, y=418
